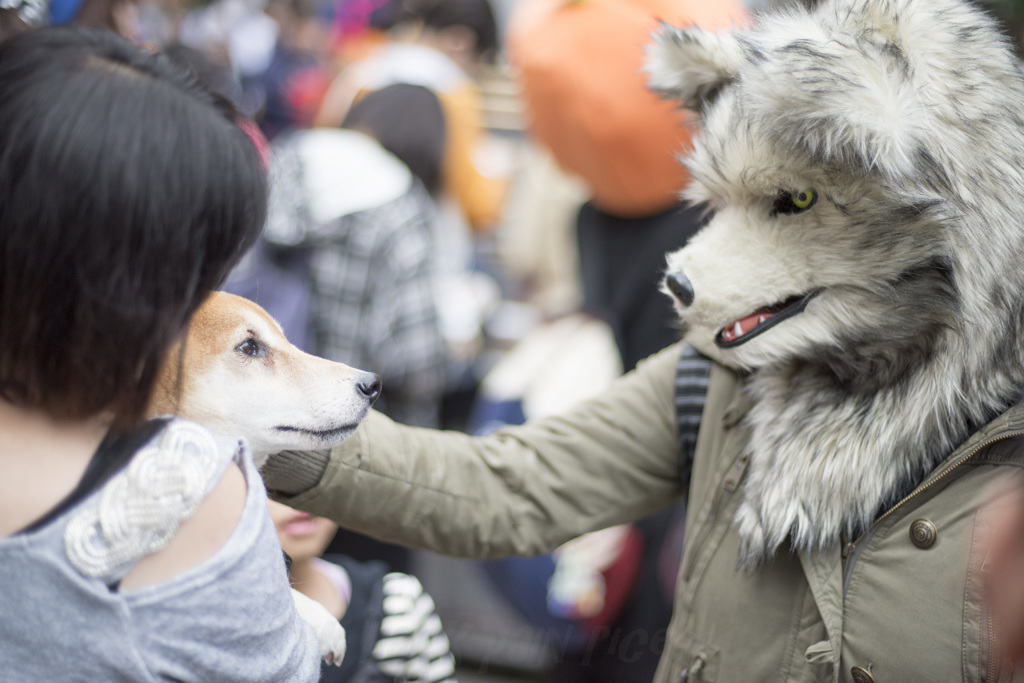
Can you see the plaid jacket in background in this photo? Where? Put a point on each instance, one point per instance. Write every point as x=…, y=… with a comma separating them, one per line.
x=370, y=267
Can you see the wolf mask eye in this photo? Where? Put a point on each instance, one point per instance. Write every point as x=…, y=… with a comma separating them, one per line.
x=796, y=201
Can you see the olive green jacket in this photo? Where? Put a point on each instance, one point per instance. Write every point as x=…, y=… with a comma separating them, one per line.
x=901, y=604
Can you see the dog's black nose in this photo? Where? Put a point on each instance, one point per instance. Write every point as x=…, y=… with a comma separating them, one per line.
x=369, y=386
x=680, y=286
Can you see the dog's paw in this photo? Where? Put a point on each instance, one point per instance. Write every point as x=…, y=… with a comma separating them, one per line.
x=328, y=631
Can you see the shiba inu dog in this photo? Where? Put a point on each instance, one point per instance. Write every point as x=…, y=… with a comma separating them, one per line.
x=236, y=373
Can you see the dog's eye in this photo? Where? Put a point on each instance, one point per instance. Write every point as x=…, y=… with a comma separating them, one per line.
x=796, y=201
x=252, y=348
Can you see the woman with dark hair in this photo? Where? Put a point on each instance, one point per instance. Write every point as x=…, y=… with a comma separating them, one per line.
x=129, y=550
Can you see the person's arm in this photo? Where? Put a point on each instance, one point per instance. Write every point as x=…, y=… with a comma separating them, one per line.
x=523, y=490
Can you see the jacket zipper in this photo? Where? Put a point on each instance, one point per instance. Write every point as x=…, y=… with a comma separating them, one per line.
x=993, y=663
x=993, y=650
x=729, y=486
x=851, y=550
x=850, y=547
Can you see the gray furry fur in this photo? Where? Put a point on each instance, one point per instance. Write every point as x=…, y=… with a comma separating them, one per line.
x=907, y=119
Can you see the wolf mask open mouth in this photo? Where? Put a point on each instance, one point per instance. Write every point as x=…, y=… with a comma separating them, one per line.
x=749, y=326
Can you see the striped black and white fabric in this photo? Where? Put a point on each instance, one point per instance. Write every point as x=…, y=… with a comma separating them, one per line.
x=693, y=374
x=412, y=645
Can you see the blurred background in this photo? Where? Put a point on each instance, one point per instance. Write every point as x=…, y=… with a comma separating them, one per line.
x=472, y=198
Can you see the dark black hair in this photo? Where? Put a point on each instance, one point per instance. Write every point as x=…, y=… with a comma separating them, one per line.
x=407, y=120
x=126, y=196
x=476, y=15
x=216, y=79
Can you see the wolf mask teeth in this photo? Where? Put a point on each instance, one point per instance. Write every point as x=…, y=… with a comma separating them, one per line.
x=749, y=326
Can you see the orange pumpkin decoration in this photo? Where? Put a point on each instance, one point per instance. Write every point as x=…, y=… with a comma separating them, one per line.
x=579, y=64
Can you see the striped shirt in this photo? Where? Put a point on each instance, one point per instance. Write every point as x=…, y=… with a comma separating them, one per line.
x=412, y=645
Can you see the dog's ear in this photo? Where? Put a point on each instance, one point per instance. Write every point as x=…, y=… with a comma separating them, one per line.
x=691, y=65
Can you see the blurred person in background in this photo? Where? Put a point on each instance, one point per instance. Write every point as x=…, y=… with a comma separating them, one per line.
x=360, y=27
x=356, y=223
x=580, y=66
x=120, y=16
x=215, y=78
x=439, y=44
x=407, y=121
x=278, y=51
x=287, y=92
x=235, y=35
x=442, y=45
x=361, y=224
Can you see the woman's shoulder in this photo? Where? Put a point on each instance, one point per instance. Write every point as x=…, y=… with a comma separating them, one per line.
x=180, y=492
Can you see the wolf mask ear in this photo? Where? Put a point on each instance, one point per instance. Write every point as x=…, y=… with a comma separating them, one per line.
x=844, y=108
x=691, y=65
x=843, y=90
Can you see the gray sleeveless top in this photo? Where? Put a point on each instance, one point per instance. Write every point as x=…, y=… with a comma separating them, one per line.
x=63, y=617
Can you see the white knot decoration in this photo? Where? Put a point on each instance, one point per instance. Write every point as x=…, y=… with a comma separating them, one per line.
x=141, y=508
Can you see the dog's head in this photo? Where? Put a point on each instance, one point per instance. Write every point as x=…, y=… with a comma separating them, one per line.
x=844, y=154
x=238, y=375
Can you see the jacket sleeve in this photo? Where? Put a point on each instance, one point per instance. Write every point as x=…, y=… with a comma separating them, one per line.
x=521, y=491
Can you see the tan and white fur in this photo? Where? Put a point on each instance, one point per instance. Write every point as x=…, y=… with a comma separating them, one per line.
x=237, y=374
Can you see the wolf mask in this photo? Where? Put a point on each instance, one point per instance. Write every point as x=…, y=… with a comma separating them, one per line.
x=863, y=164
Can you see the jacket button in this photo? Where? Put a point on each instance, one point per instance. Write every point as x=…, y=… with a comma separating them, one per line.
x=923, y=534
x=861, y=675
x=695, y=668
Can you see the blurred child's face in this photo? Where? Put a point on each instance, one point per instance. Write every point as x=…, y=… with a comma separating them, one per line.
x=302, y=535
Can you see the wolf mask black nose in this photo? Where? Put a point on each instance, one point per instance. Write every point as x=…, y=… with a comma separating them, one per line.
x=680, y=286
